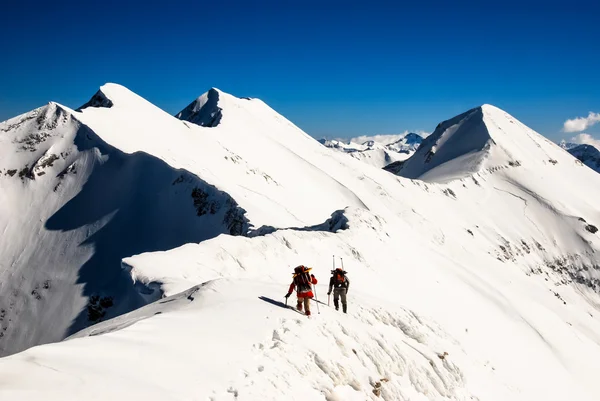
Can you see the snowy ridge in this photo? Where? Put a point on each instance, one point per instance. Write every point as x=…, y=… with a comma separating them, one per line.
x=481, y=283
x=249, y=128
x=273, y=355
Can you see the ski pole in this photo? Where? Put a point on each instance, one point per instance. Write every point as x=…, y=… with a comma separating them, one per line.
x=328, y=297
x=342, y=260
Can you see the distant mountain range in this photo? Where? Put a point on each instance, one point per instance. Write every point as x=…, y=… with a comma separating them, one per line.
x=376, y=153
x=587, y=154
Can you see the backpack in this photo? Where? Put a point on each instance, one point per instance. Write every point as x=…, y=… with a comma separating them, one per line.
x=302, y=279
x=339, y=278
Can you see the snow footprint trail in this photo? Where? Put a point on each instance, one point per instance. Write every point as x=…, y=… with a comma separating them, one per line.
x=367, y=354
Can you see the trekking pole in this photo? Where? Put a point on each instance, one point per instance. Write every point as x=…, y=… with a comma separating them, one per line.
x=316, y=298
x=342, y=260
x=328, y=297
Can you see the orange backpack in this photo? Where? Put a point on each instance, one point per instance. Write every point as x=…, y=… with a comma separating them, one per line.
x=340, y=277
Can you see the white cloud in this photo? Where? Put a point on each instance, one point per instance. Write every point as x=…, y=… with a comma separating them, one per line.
x=586, y=139
x=385, y=139
x=581, y=123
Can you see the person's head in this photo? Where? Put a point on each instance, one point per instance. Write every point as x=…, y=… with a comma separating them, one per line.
x=301, y=269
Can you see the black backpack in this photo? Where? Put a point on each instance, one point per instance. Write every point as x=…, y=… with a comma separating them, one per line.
x=339, y=278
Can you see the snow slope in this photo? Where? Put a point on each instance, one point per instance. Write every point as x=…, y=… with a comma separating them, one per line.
x=73, y=207
x=479, y=283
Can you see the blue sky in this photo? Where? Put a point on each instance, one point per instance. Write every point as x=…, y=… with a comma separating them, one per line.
x=338, y=69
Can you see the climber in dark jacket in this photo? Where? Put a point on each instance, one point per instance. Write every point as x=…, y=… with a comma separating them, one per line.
x=340, y=283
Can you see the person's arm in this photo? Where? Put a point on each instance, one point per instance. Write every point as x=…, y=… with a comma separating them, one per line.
x=347, y=284
x=290, y=290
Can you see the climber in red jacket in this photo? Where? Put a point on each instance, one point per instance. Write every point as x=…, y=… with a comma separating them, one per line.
x=303, y=282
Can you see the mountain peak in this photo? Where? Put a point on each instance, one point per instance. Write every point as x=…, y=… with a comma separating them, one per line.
x=204, y=110
x=111, y=94
x=490, y=107
x=485, y=137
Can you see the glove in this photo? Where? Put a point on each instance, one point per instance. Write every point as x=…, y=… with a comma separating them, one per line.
x=312, y=275
x=287, y=295
x=329, y=293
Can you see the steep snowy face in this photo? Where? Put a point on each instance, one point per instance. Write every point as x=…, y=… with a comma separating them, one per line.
x=588, y=155
x=72, y=208
x=482, y=138
x=272, y=168
x=203, y=111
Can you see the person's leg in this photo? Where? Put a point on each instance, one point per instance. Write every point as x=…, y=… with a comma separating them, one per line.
x=299, y=303
x=307, y=305
x=336, y=298
x=343, y=295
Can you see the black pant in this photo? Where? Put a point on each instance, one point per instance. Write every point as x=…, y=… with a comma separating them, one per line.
x=337, y=294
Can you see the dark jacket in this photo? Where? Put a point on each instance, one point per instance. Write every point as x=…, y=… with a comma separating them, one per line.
x=336, y=285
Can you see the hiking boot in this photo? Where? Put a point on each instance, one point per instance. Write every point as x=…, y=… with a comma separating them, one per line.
x=345, y=308
x=307, y=313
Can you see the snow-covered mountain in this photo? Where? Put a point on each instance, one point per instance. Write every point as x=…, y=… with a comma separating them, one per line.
x=476, y=278
x=378, y=154
x=408, y=144
x=588, y=155
x=73, y=207
x=567, y=145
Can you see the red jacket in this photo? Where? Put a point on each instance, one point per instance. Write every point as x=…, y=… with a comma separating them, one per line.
x=304, y=294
